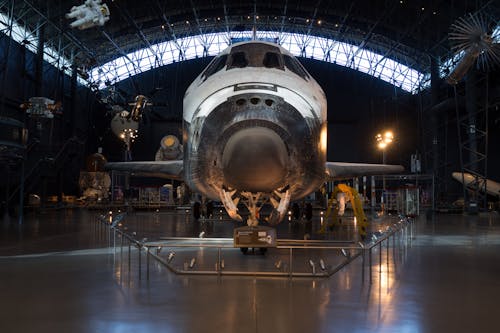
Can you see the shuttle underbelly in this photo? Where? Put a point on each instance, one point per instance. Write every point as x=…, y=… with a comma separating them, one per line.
x=254, y=143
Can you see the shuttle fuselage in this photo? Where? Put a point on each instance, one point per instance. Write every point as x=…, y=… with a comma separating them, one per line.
x=254, y=132
x=254, y=121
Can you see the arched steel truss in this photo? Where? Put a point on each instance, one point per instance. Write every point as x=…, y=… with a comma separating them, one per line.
x=374, y=58
x=320, y=48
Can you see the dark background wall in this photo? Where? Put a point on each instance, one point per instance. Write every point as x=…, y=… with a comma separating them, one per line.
x=359, y=106
x=46, y=137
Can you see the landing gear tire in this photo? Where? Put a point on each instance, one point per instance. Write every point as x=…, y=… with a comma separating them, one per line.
x=196, y=210
x=244, y=250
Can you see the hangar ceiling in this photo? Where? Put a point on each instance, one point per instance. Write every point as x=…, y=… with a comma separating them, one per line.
x=409, y=32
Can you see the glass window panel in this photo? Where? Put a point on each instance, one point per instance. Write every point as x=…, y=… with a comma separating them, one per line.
x=272, y=60
x=318, y=53
x=168, y=52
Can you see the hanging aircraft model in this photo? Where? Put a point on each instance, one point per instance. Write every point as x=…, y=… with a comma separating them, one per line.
x=254, y=132
x=42, y=107
x=491, y=187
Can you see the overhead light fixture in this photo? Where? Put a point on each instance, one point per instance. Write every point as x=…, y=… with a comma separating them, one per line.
x=383, y=140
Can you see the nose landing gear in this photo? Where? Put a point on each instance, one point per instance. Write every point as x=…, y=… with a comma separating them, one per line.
x=279, y=200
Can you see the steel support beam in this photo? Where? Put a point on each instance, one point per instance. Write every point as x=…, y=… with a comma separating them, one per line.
x=39, y=60
x=168, y=25
x=125, y=14
x=119, y=49
x=64, y=33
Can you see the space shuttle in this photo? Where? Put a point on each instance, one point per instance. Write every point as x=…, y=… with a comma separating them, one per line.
x=254, y=133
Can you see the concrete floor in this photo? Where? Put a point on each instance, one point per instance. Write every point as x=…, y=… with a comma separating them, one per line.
x=55, y=276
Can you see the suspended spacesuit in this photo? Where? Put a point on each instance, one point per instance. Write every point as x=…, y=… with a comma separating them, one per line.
x=90, y=14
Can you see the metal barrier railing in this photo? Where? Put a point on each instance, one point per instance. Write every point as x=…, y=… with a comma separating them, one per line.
x=401, y=234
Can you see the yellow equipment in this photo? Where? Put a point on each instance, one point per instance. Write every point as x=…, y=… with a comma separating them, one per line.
x=357, y=207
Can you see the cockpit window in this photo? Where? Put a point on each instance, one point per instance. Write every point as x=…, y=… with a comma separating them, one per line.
x=216, y=65
x=272, y=60
x=295, y=66
x=238, y=60
x=255, y=55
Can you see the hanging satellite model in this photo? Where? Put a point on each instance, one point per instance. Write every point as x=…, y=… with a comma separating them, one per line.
x=125, y=128
x=138, y=107
x=474, y=37
x=92, y=13
x=125, y=124
x=94, y=182
x=41, y=107
x=170, y=149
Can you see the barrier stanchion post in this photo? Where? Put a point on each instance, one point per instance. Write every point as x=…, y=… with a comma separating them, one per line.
x=370, y=264
x=387, y=250
x=401, y=242
x=139, y=248
x=219, y=260
x=380, y=256
x=129, y=256
x=147, y=263
x=394, y=247
x=362, y=265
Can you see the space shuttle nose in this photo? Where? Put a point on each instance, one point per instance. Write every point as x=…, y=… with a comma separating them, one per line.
x=255, y=159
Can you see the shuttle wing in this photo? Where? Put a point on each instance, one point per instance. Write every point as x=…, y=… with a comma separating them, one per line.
x=342, y=170
x=161, y=169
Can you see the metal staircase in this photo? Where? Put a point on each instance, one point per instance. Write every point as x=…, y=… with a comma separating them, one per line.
x=46, y=166
x=472, y=129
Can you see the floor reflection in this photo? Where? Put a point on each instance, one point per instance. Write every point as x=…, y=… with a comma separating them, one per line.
x=445, y=282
